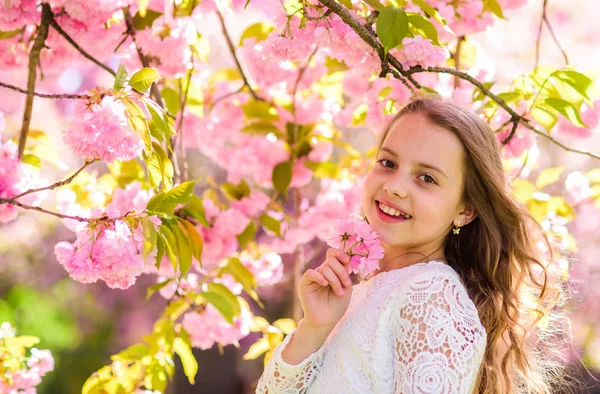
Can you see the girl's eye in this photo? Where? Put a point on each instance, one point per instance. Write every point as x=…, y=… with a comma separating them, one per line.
x=386, y=163
x=426, y=176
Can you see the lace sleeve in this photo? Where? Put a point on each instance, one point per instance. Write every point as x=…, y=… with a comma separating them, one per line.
x=439, y=340
x=281, y=377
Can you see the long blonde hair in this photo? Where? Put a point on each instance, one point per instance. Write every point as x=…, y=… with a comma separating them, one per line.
x=505, y=260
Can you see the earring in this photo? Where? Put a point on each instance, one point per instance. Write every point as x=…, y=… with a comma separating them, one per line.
x=456, y=230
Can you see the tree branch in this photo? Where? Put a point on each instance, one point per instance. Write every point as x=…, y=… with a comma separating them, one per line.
x=456, y=57
x=54, y=185
x=539, y=37
x=235, y=58
x=34, y=62
x=49, y=96
x=370, y=38
x=555, y=38
x=79, y=49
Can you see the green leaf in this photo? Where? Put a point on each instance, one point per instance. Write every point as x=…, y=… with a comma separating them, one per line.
x=196, y=241
x=271, y=224
x=143, y=79
x=138, y=122
x=150, y=236
x=392, y=26
x=126, y=172
x=121, y=79
x=259, y=31
x=494, y=7
x=186, y=7
x=478, y=95
x=566, y=109
x=323, y=169
x=171, y=98
x=240, y=272
x=257, y=348
x=548, y=176
x=132, y=353
x=581, y=83
x=236, y=192
x=31, y=159
x=430, y=11
x=260, y=128
x=184, y=351
x=142, y=22
x=223, y=300
x=260, y=110
x=375, y=4
x=166, y=202
x=544, y=116
x=424, y=27
x=10, y=34
x=184, y=246
x=282, y=176
x=247, y=235
x=160, y=250
x=170, y=244
x=160, y=168
x=156, y=287
x=195, y=209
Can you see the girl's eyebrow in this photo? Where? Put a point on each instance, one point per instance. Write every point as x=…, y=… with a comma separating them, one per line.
x=426, y=165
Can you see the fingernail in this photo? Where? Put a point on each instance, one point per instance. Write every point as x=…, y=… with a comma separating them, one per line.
x=341, y=292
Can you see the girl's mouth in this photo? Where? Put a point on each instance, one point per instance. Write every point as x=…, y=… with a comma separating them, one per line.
x=386, y=217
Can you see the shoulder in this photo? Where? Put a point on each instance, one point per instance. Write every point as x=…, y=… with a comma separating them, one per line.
x=434, y=290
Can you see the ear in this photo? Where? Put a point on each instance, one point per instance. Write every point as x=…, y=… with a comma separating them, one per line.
x=466, y=216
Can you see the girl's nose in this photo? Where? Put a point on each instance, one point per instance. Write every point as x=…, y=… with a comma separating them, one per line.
x=396, y=186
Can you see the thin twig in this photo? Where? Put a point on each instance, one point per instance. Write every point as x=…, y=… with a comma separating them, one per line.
x=370, y=38
x=34, y=61
x=235, y=58
x=555, y=38
x=223, y=97
x=512, y=131
x=80, y=49
x=184, y=164
x=58, y=215
x=49, y=96
x=456, y=57
x=57, y=184
x=538, y=42
x=301, y=72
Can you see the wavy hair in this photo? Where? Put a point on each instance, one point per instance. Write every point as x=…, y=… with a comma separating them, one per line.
x=506, y=261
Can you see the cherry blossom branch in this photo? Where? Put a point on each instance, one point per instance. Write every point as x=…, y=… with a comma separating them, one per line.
x=538, y=42
x=58, y=215
x=235, y=58
x=34, y=62
x=370, y=38
x=223, y=97
x=42, y=95
x=55, y=185
x=60, y=31
x=456, y=57
x=545, y=17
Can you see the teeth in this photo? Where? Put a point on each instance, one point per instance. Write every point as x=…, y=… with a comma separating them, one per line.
x=392, y=211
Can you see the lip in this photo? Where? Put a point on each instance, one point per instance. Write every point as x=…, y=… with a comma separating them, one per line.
x=391, y=205
x=387, y=218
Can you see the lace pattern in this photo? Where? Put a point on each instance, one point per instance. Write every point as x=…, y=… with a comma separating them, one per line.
x=410, y=330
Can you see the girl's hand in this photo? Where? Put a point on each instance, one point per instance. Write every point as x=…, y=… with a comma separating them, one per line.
x=325, y=292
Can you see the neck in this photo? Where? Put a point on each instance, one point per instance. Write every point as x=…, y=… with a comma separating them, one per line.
x=395, y=258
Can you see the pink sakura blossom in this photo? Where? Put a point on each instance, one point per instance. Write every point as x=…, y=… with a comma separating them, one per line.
x=578, y=187
x=15, y=178
x=31, y=369
x=110, y=252
x=132, y=198
x=357, y=239
x=511, y=4
x=101, y=130
x=522, y=140
x=90, y=13
x=253, y=204
x=420, y=51
x=590, y=117
x=209, y=327
x=267, y=269
x=167, y=47
x=14, y=14
x=288, y=49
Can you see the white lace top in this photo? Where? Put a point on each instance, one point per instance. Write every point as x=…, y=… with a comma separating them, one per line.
x=409, y=330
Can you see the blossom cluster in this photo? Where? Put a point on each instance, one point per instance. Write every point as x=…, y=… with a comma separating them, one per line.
x=20, y=374
x=111, y=249
x=100, y=129
x=15, y=178
x=360, y=242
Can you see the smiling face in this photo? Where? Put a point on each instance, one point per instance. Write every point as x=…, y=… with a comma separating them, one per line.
x=420, y=171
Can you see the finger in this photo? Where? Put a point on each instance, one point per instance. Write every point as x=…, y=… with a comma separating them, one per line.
x=339, y=254
x=340, y=270
x=333, y=280
x=315, y=276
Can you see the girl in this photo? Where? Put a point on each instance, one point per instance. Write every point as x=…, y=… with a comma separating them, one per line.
x=465, y=278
